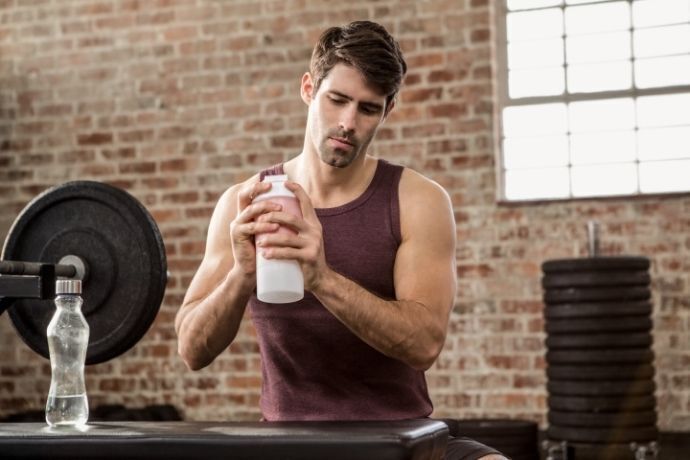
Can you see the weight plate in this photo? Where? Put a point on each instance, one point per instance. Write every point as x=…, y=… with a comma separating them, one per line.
x=580, y=341
x=119, y=242
x=592, y=279
x=598, y=357
x=601, y=404
x=603, y=435
x=600, y=387
x=595, y=264
x=618, y=372
x=598, y=309
x=584, y=294
x=599, y=325
x=613, y=419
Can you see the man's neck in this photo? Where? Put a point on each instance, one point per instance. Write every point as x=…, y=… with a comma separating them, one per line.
x=328, y=186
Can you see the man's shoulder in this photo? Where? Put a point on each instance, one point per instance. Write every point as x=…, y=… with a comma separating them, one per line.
x=230, y=194
x=417, y=187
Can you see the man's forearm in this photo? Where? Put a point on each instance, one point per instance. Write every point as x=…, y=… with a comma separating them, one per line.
x=209, y=325
x=400, y=329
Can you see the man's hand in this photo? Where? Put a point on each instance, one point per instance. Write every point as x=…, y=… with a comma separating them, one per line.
x=246, y=225
x=306, y=246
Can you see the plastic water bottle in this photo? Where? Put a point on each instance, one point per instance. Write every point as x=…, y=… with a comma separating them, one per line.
x=68, y=338
x=278, y=281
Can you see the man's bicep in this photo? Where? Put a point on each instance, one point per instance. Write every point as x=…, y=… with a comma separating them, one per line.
x=218, y=259
x=425, y=262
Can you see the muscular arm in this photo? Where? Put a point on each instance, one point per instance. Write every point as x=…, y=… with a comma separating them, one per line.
x=411, y=328
x=214, y=304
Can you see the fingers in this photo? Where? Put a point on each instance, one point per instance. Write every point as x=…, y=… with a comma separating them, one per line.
x=304, y=200
x=247, y=195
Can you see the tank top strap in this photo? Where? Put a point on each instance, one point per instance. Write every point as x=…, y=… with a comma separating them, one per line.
x=388, y=177
x=272, y=171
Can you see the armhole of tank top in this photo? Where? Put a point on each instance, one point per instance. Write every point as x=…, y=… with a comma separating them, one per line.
x=395, y=205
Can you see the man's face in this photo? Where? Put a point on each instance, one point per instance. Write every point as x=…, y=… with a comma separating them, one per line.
x=344, y=115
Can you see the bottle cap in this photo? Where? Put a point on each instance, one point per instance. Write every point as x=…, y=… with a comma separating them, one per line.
x=67, y=287
x=277, y=188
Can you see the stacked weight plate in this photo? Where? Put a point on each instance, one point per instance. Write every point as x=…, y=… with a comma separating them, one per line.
x=600, y=368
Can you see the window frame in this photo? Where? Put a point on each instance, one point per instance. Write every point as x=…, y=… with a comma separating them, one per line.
x=503, y=101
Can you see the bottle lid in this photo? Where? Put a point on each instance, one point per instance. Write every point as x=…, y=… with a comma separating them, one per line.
x=277, y=188
x=67, y=287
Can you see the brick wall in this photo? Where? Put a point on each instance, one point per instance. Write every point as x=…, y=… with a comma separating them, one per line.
x=176, y=100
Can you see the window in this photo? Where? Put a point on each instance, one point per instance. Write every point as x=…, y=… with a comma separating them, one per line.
x=594, y=98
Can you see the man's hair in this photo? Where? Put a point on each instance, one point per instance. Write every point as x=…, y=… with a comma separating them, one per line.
x=367, y=47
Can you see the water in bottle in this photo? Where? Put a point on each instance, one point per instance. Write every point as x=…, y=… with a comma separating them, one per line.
x=68, y=338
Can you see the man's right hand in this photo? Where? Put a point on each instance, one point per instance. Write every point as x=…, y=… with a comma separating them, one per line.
x=246, y=224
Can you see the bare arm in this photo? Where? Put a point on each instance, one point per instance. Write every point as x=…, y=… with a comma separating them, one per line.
x=411, y=328
x=214, y=304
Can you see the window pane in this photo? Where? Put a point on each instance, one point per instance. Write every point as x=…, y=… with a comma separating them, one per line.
x=662, y=41
x=604, y=115
x=598, y=47
x=535, y=152
x=618, y=179
x=665, y=71
x=659, y=12
x=541, y=53
x=537, y=183
x=664, y=143
x=608, y=147
x=530, y=25
x=661, y=111
x=529, y=4
x=665, y=176
x=536, y=82
x=534, y=120
x=597, y=18
x=588, y=78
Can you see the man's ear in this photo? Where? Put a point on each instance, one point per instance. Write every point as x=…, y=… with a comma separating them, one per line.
x=307, y=88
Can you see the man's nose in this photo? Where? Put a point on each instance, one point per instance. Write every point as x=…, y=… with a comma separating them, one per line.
x=348, y=118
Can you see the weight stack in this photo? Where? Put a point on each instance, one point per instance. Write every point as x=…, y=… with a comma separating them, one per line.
x=600, y=365
x=518, y=439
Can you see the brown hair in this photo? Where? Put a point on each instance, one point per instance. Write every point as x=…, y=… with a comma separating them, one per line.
x=367, y=47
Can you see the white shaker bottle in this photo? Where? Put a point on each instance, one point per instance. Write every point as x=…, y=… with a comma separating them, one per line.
x=278, y=281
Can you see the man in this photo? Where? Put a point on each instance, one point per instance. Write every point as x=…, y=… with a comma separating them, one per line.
x=376, y=245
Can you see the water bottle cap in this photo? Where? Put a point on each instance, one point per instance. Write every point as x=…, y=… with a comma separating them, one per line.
x=67, y=287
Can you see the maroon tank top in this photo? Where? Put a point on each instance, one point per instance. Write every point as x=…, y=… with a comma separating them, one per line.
x=313, y=367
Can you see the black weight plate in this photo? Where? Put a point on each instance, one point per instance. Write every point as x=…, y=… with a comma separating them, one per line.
x=601, y=404
x=598, y=309
x=121, y=245
x=596, y=279
x=618, y=372
x=599, y=325
x=603, y=435
x=585, y=341
x=595, y=264
x=599, y=357
x=611, y=419
x=600, y=387
x=597, y=294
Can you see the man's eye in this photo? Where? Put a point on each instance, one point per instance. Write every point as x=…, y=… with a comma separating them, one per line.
x=337, y=101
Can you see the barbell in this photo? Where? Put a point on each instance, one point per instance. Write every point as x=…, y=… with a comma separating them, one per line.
x=91, y=231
